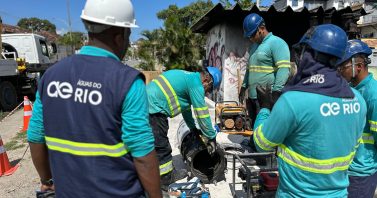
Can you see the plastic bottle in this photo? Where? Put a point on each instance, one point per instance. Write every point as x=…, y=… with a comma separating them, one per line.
x=205, y=195
x=183, y=194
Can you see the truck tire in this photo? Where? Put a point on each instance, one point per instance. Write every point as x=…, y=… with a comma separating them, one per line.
x=8, y=96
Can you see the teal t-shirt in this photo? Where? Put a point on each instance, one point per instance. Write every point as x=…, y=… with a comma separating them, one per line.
x=136, y=132
x=365, y=161
x=317, y=137
x=268, y=65
x=188, y=90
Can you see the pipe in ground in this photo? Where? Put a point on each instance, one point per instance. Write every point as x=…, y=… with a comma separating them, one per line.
x=201, y=164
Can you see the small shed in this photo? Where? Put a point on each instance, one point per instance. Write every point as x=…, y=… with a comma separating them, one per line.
x=228, y=50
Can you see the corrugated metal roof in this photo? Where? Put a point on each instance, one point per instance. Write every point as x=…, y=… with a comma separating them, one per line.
x=218, y=14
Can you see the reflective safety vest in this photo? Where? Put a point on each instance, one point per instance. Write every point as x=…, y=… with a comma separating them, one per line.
x=316, y=143
x=82, y=98
x=178, y=91
x=170, y=95
x=299, y=161
x=365, y=162
x=270, y=69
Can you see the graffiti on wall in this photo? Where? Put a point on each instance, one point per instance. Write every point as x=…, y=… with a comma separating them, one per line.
x=216, y=53
x=233, y=75
x=216, y=47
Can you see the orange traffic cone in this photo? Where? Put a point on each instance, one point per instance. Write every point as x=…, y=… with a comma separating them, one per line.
x=5, y=167
x=27, y=113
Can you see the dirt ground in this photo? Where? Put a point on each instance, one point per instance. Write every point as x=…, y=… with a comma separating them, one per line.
x=25, y=181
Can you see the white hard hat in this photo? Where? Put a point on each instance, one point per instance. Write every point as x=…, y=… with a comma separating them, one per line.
x=118, y=13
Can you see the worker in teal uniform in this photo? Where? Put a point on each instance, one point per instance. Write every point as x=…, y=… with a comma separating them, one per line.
x=354, y=68
x=173, y=93
x=268, y=65
x=89, y=134
x=316, y=123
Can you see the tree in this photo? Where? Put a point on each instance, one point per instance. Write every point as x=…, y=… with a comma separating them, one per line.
x=179, y=47
x=74, y=39
x=148, y=49
x=245, y=4
x=36, y=24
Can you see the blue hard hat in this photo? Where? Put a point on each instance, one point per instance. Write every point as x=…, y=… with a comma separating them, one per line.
x=216, y=76
x=354, y=47
x=327, y=38
x=251, y=24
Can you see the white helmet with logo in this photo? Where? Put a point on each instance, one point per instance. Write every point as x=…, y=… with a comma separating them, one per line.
x=118, y=13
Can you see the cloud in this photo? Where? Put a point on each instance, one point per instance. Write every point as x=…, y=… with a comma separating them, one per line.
x=61, y=31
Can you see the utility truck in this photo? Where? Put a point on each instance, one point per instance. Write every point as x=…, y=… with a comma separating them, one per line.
x=24, y=58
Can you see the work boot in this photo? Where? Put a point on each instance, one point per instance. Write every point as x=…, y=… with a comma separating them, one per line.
x=172, y=177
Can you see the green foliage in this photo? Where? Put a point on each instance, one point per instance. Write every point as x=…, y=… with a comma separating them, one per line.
x=16, y=142
x=74, y=39
x=245, y=4
x=175, y=46
x=149, y=49
x=36, y=24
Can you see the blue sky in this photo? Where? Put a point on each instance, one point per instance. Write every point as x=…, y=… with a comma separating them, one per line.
x=56, y=12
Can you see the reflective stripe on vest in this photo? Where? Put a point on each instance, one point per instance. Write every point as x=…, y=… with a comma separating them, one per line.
x=373, y=125
x=201, y=112
x=166, y=168
x=283, y=64
x=367, y=138
x=170, y=95
x=261, y=69
x=326, y=166
x=261, y=141
x=85, y=149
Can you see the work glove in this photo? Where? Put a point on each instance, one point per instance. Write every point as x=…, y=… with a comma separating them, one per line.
x=264, y=97
x=211, y=146
x=241, y=96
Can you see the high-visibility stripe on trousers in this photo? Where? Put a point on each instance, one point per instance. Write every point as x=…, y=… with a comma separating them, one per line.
x=170, y=95
x=166, y=168
x=85, y=149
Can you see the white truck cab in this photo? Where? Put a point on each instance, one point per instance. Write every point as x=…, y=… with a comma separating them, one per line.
x=32, y=47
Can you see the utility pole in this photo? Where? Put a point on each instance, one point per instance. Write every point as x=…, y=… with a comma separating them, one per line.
x=69, y=25
x=1, y=42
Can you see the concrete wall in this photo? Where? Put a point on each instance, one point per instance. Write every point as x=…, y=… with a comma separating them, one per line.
x=226, y=49
x=236, y=58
